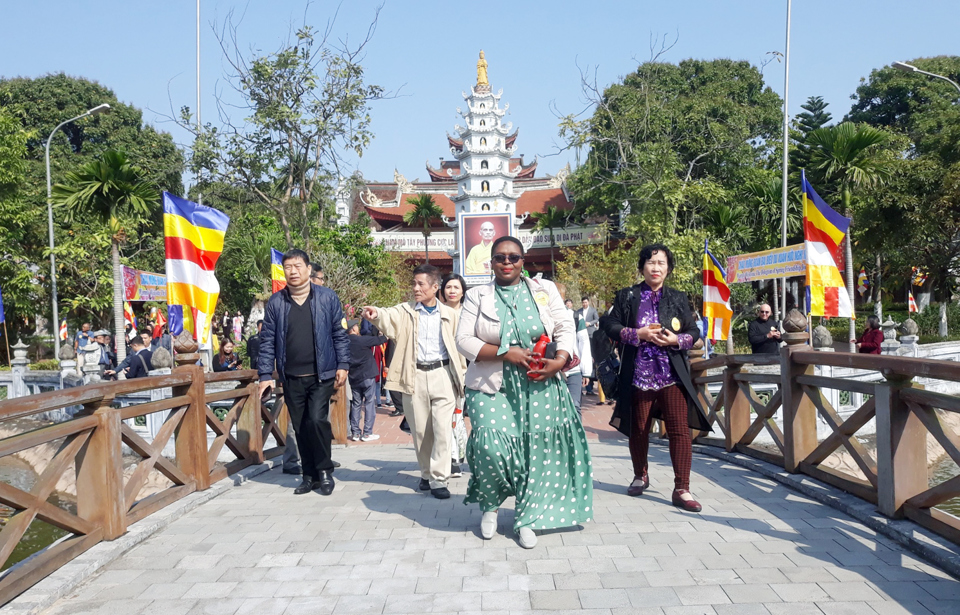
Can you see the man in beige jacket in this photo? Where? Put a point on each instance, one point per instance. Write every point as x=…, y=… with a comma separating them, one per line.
x=424, y=331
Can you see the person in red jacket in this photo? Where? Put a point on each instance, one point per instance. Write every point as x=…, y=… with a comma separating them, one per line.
x=869, y=342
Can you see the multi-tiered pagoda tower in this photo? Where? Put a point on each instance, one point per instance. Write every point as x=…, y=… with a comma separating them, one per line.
x=485, y=178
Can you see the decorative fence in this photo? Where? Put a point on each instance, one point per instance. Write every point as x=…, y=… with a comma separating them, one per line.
x=111, y=493
x=894, y=476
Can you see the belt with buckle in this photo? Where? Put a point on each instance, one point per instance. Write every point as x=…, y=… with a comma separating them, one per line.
x=426, y=367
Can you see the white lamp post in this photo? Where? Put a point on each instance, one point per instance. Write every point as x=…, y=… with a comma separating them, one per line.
x=910, y=68
x=104, y=108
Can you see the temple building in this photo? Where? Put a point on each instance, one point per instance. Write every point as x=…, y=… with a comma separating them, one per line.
x=485, y=191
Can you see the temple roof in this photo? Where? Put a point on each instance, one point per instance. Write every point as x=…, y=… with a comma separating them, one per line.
x=523, y=171
x=457, y=144
x=530, y=201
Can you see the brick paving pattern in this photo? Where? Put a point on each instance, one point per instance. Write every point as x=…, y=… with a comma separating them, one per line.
x=377, y=545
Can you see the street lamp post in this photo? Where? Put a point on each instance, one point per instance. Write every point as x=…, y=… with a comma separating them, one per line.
x=104, y=108
x=910, y=68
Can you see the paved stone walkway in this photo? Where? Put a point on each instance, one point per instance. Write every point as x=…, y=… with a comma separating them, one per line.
x=379, y=546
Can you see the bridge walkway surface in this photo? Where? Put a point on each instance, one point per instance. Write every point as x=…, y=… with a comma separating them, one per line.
x=377, y=545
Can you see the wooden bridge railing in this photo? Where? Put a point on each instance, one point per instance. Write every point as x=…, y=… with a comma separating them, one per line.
x=894, y=476
x=111, y=494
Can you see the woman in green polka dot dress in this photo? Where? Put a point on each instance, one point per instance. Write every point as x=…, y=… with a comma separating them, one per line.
x=527, y=440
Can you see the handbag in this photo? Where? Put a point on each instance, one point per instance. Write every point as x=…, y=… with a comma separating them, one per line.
x=608, y=374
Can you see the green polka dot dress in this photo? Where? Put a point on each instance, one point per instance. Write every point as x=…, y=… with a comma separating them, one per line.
x=527, y=440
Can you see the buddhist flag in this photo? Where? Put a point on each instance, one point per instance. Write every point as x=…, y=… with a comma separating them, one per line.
x=919, y=276
x=193, y=237
x=717, y=314
x=823, y=230
x=276, y=270
x=63, y=330
x=2, y=317
x=130, y=318
x=911, y=304
x=862, y=282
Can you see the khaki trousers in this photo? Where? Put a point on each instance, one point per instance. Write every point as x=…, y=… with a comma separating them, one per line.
x=429, y=412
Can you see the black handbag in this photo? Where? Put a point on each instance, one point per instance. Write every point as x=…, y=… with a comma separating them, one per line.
x=608, y=374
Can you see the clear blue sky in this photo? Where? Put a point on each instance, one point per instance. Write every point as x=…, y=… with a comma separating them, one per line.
x=427, y=50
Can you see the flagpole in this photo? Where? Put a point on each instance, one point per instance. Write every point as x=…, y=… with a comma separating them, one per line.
x=199, y=124
x=6, y=339
x=786, y=154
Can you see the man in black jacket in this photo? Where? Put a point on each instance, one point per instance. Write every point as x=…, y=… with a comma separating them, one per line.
x=139, y=359
x=304, y=335
x=253, y=346
x=764, y=332
x=363, y=383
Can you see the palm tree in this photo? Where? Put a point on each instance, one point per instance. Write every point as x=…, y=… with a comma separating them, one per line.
x=849, y=154
x=110, y=191
x=550, y=219
x=424, y=211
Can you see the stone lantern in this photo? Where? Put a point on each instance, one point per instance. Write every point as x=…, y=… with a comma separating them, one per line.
x=890, y=345
x=909, y=336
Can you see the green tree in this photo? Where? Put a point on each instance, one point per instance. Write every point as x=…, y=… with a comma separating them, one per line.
x=84, y=277
x=18, y=290
x=670, y=141
x=813, y=116
x=551, y=218
x=424, y=212
x=308, y=107
x=112, y=192
x=850, y=154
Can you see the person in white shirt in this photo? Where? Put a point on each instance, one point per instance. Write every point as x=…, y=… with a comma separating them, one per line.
x=424, y=331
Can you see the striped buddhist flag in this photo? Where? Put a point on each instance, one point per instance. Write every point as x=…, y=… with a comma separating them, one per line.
x=862, y=282
x=193, y=238
x=63, y=330
x=717, y=314
x=276, y=270
x=823, y=230
x=911, y=303
x=130, y=318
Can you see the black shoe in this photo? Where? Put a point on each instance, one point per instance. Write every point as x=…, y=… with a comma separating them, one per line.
x=455, y=471
x=296, y=470
x=424, y=484
x=396, y=413
x=336, y=464
x=306, y=486
x=326, y=483
x=441, y=493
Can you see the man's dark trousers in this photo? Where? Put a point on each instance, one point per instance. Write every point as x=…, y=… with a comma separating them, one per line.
x=308, y=402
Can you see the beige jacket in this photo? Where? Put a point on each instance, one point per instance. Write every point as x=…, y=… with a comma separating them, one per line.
x=480, y=324
x=401, y=323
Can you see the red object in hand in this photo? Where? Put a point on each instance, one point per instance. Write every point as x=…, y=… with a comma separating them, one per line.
x=536, y=361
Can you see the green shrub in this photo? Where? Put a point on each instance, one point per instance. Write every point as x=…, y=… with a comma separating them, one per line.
x=47, y=365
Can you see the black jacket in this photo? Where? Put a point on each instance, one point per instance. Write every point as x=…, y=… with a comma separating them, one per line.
x=222, y=364
x=329, y=334
x=253, y=350
x=673, y=305
x=362, y=363
x=138, y=368
x=759, y=342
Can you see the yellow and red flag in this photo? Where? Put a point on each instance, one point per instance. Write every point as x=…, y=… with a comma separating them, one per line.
x=193, y=238
x=276, y=270
x=823, y=232
x=911, y=303
x=130, y=318
x=717, y=314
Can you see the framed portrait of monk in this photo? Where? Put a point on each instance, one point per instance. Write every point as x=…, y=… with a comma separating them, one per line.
x=477, y=232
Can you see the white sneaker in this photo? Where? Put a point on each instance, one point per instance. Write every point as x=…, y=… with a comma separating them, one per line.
x=370, y=438
x=488, y=525
x=528, y=539
x=353, y=437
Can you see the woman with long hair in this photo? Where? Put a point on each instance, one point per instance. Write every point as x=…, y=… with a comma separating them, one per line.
x=527, y=440
x=655, y=328
x=226, y=360
x=452, y=288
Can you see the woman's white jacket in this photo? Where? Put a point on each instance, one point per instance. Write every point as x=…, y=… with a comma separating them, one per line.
x=480, y=324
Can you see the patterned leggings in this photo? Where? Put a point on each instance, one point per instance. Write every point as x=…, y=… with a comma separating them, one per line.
x=673, y=410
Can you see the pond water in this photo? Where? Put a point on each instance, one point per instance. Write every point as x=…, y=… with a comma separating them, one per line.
x=944, y=470
x=19, y=474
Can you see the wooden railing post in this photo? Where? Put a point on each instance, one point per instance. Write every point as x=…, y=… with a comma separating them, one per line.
x=99, y=469
x=192, y=433
x=736, y=407
x=799, y=413
x=901, y=449
x=249, y=430
x=338, y=414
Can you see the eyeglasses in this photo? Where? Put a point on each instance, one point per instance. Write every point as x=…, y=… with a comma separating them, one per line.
x=502, y=258
x=764, y=312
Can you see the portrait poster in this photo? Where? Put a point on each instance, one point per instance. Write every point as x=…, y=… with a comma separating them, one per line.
x=477, y=231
